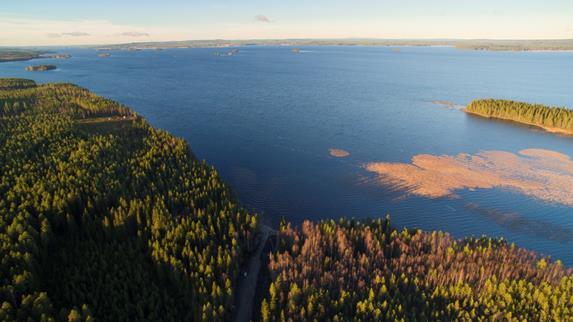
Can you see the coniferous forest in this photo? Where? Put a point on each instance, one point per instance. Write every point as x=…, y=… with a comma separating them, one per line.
x=104, y=218
x=552, y=118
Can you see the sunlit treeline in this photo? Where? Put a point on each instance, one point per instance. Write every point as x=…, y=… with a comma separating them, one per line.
x=536, y=114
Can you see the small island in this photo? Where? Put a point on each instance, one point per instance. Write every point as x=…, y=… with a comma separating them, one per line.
x=296, y=50
x=104, y=55
x=57, y=56
x=41, y=68
x=551, y=119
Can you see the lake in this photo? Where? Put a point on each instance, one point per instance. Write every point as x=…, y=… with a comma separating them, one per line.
x=267, y=117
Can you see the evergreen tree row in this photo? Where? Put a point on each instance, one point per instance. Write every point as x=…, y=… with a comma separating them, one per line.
x=534, y=114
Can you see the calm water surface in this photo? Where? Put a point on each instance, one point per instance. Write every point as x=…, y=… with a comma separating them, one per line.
x=267, y=117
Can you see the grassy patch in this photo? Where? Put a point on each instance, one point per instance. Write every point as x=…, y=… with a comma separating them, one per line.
x=104, y=125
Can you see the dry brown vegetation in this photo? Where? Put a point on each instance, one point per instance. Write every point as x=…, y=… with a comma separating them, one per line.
x=346, y=270
x=338, y=153
x=543, y=174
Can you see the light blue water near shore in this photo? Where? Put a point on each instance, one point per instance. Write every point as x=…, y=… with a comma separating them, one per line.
x=266, y=117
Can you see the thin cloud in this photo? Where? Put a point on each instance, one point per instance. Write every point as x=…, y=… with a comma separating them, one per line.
x=134, y=34
x=67, y=34
x=75, y=34
x=262, y=18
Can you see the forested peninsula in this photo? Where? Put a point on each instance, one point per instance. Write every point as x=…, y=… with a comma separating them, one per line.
x=8, y=54
x=103, y=217
x=551, y=119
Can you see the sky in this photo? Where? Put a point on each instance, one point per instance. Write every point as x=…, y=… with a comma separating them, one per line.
x=72, y=22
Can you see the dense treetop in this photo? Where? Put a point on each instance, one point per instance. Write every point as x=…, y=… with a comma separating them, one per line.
x=15, y=83
x=346, y=270
x=23, y=97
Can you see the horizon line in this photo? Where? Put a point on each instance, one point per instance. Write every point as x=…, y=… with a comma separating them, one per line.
x=292, y=39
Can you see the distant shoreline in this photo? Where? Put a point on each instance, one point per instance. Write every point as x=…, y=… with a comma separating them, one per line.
x=11, y=55
x=551, y=45
x=22, y=54
x=539, y=45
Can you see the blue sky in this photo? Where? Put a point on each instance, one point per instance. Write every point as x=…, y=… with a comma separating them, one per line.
x=61, y=22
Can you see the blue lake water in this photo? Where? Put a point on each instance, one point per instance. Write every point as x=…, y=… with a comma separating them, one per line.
x=266, y=118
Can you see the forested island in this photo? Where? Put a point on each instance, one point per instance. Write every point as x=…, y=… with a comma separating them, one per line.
x=552, y=119
x=103, y=217
x=41, y=68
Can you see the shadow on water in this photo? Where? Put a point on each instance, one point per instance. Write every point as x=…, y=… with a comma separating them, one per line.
x=520, y=224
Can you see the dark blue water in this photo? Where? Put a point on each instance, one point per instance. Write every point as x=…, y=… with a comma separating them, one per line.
x=267, y=117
